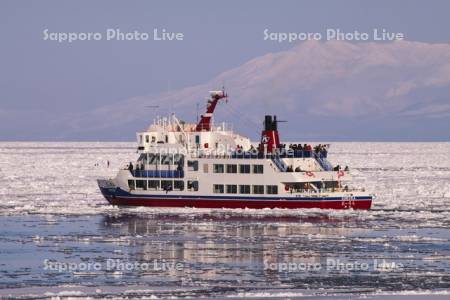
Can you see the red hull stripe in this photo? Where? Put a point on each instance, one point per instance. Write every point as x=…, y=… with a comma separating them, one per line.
x=238, y=203
x=124, y=194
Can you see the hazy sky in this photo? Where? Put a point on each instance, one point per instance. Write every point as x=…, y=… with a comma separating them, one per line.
x=62, y=78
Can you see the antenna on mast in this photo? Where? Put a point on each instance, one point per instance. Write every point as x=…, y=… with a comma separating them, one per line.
x=225, y=94
x=197, y=112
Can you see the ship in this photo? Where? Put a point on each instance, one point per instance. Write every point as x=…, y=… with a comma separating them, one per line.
x=208, y=165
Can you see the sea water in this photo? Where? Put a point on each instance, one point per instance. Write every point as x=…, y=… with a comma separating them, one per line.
x=60, y=238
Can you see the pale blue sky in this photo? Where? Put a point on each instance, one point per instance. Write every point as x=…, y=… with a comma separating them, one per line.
x=219, y=35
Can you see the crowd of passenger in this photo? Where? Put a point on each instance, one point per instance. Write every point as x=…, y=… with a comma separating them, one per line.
x=298, y=147
x=282, y=148
x=319, y=149
x=306, y=149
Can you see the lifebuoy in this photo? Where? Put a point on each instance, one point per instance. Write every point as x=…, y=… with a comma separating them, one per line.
x=340, y=174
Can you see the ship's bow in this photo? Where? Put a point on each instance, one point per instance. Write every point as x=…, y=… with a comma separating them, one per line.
x=107, y=188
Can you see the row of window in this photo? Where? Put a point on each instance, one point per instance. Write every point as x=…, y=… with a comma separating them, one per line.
x=192, y=185
x=233, y=169
x=244, y=189
x=147, y=139
x=161, y=159
x=163, y=185
x=193, y=165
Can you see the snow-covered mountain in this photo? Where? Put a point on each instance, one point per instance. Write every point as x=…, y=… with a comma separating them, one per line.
x=325, y=90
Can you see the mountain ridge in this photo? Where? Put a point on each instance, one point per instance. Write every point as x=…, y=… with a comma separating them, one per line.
x=357, y=90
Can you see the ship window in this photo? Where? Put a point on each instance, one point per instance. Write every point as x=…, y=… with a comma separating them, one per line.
x=205, y=168
x=140, y=139
x=153, y=139
x=258, y=169
x=218, y=189
x=272, y=189
x=218, y=168
x=193, y=165
x=167, y=138
x=258, y=189
x=231, y=168
x=166, y=185
x=331, y=184
x=178, y=185
x=231, y=189
x=147, y=139
x=197, y=139
x=153, y=185
x=244, y=169
x=153, y=159
x=143, y=158
x=131, y=184
x=244, y=189
x=192, y=185
x=141, y=184
x=166, y=159
x=178, y=159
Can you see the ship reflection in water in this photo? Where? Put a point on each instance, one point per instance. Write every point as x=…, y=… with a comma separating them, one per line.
x=237, y=250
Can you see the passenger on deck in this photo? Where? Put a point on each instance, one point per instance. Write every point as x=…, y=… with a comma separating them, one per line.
x=130, y=167
x=323, y=151
x=298, y=169
x=167, y=188
x=337, y=168
x=346, y=169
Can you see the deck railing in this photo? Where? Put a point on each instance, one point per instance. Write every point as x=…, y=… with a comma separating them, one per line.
x=320, y=157
x=260, y=155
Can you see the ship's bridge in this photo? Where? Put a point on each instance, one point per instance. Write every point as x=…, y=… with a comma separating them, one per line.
x=169, y=132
